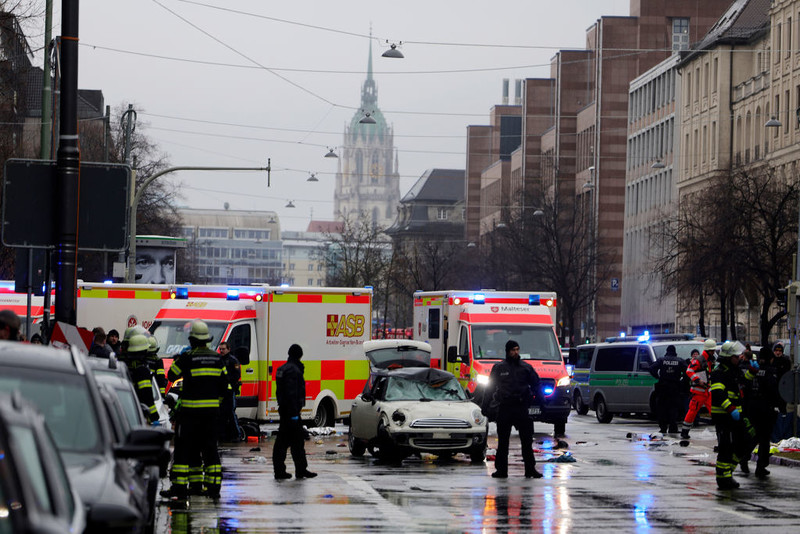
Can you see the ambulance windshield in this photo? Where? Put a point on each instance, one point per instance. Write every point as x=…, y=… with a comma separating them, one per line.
x=535, y=342
x=173, y=336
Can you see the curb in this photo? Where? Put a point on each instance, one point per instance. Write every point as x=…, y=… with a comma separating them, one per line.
x=779, y=460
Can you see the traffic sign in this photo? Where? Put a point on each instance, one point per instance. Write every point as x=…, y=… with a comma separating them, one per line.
x=29, y=205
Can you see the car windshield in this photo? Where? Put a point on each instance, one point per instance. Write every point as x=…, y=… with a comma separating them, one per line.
x=64, y=400
x=535, y=342
x=173, y=336
x=684, y=350
x=402, y=356
x=401, y=388
x=127, y=398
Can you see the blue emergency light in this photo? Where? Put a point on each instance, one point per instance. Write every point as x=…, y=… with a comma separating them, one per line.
x=548, y=390
x=533, y=300
x=182, y=293
x=233, y=294
x=108, y=282
x=478, y=298
x=644, y=337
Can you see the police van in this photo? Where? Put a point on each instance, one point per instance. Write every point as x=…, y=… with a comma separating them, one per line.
x=614, y=377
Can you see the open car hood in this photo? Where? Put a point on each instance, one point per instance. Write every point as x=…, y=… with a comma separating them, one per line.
x=397, y=353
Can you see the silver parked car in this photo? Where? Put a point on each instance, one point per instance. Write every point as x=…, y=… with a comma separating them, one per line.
x=407, y=407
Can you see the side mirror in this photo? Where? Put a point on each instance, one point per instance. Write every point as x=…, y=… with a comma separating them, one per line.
x=242, y=354
x=454, y=357
x=573, y=356
x=367, y=397
x=147, y=445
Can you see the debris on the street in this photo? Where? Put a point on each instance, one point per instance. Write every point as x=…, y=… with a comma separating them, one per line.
x=566, y=457
x=321, y=430
x=331, y=452
x=255, y=449
x=789, y=445
x=254, y=460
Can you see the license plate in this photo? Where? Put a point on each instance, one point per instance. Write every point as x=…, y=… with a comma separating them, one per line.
x=534, y=410
x=441, y=435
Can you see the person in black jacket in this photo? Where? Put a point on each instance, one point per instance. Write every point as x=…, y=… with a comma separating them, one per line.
x=670, y=371
x=291, y=396
x=762, y=406
x=229, y=429
x=512, y=389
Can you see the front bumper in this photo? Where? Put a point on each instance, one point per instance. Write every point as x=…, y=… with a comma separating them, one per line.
x=432, y=440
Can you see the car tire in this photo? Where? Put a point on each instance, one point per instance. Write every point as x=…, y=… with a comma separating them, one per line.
x=580, y=407
x=324, y=415
x=601, y=410
x=477, y=453
x=357, y=447
x=387, y=450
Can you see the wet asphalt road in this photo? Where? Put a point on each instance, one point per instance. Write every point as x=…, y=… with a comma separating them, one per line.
x=616, y=484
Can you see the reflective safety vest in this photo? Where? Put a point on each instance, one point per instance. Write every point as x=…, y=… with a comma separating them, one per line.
x=205, y=380
x=725, y=393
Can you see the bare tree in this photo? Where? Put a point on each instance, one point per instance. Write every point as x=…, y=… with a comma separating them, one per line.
x=736, y=235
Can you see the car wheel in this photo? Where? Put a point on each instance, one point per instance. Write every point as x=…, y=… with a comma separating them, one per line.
x=581, y=407
x=601, y=410
x=357, y=447
x=324, y=415
x=477, y=453
x=387, y=450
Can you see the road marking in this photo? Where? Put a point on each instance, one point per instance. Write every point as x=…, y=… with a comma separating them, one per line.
x=736, y=512
x=395, y=514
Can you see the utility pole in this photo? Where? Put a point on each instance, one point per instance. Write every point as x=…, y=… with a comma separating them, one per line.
x=68, y=170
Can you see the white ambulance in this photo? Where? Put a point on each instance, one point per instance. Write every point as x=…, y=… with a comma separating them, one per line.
x=330, y=324
x=468, y=330
x=108, y=305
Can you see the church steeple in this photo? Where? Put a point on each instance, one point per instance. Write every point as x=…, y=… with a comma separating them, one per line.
x=369, y=91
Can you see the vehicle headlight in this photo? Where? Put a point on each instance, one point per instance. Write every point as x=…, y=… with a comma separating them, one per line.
x=477, y=417
x=563, y=381
x=399, y=418
x=482, y=379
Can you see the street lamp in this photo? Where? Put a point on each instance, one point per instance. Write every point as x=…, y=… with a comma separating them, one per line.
x=393, y=52
x=131, y=274
x=330, y=154
x=773, y=123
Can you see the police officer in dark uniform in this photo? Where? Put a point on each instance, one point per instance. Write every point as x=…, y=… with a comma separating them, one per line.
x=205, y=383
x=291, y=396
x=513, y=388
x=670, y=372
x=229, y=429
x=762, y=406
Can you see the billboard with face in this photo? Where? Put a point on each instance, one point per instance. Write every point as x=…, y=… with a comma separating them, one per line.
x=155, y=265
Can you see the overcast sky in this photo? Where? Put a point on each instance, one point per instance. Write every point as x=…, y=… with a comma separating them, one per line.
x=231, y=83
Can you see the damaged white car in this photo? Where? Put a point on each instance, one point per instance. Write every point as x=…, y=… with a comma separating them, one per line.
x=408, y=407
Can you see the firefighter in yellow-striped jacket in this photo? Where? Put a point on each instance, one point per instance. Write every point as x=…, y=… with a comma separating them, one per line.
x=733, y=429
x=157, y=366
x=135, y=356
x=205, y=383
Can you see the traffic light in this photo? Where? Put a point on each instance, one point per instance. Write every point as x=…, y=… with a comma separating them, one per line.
x=781, y=298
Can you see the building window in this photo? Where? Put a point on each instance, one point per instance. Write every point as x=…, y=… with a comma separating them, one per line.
x=441, y=214
x=680, y=34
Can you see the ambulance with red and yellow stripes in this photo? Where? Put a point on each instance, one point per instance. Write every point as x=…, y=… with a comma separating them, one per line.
x=108, y=305
x=468, y=330
x=260, y=323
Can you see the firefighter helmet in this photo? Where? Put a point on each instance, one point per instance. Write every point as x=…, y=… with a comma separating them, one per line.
x=199, y=331
x=709, y=345
x=138, y=343
x=731, y=348
x=153, y=345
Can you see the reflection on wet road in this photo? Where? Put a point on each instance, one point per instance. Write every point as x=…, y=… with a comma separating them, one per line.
x=615, y=483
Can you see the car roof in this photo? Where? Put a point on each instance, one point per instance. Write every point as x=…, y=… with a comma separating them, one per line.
x=39, y=356
x=422, y=374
